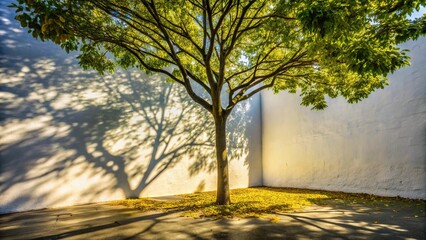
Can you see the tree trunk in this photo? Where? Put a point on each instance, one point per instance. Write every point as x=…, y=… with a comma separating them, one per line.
x=222, y=195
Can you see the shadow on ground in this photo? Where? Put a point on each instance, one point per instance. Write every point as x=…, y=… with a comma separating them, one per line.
x=102, y=221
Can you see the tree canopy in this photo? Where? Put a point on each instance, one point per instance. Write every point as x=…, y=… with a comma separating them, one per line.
x=321, y=47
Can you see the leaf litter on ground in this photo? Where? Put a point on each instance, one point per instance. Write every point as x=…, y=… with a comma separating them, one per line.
x=261, y=201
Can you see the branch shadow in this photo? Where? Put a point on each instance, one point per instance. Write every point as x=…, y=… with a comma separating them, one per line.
x=97, y=221
x=139, y=131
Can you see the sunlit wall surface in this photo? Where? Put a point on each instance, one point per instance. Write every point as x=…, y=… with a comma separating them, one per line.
x=377, y=146
x=69, y=136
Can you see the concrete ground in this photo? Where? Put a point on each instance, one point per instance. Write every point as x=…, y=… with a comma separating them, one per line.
x=102, y=221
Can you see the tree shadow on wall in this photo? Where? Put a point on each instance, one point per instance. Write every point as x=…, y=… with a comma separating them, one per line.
x=141, y=137
x=61, y=124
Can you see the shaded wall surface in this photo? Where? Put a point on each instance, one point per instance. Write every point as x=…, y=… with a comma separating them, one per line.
x=377, y=146
x=69, y=136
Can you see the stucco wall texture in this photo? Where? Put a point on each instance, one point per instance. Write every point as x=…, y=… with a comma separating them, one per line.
x=377, y=146
x=69, y=136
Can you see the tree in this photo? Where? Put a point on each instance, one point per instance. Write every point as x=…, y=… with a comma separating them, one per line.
x=233, y=49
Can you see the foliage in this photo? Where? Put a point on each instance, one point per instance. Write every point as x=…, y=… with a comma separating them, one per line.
x=320, y=48
x=257, y=202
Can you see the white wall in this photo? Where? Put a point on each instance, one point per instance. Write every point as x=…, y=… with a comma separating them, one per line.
x=377, y=146
x=68, y=136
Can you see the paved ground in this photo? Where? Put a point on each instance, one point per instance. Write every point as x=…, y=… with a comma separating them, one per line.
x=101, y=221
